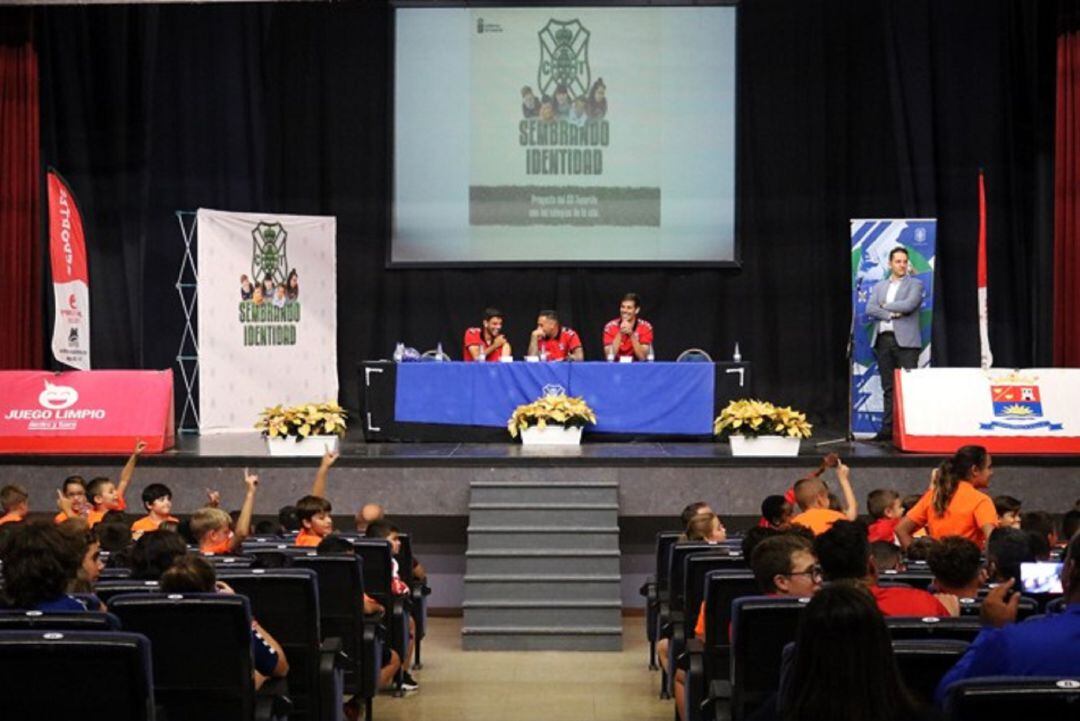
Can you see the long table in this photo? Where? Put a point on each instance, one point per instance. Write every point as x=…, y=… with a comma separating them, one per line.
x=429, y=401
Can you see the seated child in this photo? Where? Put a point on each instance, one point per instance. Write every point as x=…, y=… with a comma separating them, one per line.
x=73, y=492
x=40, y=563
x=883, y=505
x=14, y=500
x=212, y=528
x=313, y=510
x=157, y=499
x=192, y=574
x=1008, y=510
x=102, y=494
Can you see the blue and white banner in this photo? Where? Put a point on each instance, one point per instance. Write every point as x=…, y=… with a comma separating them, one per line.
x=871, y=242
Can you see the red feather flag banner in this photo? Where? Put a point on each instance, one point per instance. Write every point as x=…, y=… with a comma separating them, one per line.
x=986, y=358
x=71, y=282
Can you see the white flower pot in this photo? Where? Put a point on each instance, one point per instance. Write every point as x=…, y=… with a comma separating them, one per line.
x=310, y=446
x=764, y=446
x=551, y=435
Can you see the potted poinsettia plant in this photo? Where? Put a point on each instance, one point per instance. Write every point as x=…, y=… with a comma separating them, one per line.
x=759, y=428
x=553, y=419
x=309, y=429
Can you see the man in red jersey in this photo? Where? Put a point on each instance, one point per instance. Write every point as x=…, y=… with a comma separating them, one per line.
x=628, y=336
x=554, y=342
x=486, y=342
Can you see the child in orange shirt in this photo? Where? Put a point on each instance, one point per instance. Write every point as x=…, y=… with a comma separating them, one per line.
x=14, y=500
x=157, y=499
x=313, y=510
x=212, y=527
x=102, y=494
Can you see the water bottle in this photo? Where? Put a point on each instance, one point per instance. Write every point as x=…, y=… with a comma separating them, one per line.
x=439, y=355
x=399, y=352
x=480, y=358
x=736, y=356
x=543, y=354
x=610, y=354
x=650, y=356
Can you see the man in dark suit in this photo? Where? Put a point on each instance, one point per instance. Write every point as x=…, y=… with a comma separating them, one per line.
x=894, y=303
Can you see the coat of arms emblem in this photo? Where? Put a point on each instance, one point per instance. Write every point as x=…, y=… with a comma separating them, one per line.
x=564, y=57
x=268, y=256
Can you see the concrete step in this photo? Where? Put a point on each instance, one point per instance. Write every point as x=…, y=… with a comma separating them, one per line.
x=552, y=515
x=553, y=492
x=540, y=588
x=551, y=614
x=517, y=638
x=542, y=562
x=483, y=538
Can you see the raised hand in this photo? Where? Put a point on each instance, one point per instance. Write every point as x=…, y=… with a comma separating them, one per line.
x=213, y=498
x=251, y=480
x=65, y=504
x=140, y=446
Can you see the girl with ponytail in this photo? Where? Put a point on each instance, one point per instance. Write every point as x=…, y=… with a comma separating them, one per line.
x=954, y=505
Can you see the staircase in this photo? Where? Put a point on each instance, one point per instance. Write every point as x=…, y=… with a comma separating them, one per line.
x=542, y=567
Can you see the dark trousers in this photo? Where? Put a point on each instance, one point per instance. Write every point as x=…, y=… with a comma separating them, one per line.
x=890, y=356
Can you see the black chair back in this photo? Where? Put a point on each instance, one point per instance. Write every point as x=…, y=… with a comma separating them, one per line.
x=964, y=628
x=55, y=675
x=405, y=559
x=697, y=567
x=677, y=570
x=222, y=562
x=916, y=578
x=924, y=663
x=341, y=613
x=105, y=590
x=377, y=565
x=722, y=587
x=760, y=628
x=1027, y=607
x=664, y=541
x=78, y=621
x=114, y=572
x=201, y=647
x=1007, y=698
x=285, y=601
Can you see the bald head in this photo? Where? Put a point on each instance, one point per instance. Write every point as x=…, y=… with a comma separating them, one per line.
x=370, y=513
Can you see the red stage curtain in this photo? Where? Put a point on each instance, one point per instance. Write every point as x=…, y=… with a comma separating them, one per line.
x=1067, y=193
x=20, y=250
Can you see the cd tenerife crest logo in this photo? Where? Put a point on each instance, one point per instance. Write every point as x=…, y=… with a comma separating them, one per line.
x=564, y=57
x=270, y=298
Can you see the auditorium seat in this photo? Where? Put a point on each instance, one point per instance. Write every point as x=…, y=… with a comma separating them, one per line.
x=58, y=675
x=78, y=621
x=105, y=590
x=418, y=592
x=1027, y=607
x=697, y=566
x=923, y=663
x=376, y=557
x=671, y=611
x=760, y=628
x=708, y=660
x=1056, y=606
x=1007, y=699
x=964, y=628
x=916, y=578
x=201, y=648
x=285, y=601
x=655, y=590
x=114, y=572
x=341, y=615
x=222, y=562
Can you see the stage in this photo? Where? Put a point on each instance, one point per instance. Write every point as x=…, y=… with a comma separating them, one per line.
x=425, y=486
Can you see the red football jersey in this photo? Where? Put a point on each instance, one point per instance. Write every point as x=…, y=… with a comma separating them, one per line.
x=561, y=346
x=475, y=336
x=642, y=327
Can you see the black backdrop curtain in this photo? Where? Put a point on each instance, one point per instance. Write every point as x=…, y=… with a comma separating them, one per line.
x=848, y=108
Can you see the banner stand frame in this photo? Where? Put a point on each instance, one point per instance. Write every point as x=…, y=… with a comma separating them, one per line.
x=187, y=356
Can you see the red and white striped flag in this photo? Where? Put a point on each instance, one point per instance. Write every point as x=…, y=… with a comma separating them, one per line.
x=985, y=356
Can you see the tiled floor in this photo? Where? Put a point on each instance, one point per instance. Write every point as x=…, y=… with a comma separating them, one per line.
x=536, y=686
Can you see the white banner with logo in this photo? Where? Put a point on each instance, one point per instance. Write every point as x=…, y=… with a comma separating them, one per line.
x=1033, y=410
x=267, y=314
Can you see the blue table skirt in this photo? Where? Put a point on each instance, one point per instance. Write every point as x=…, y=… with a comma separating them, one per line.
x=653, y=398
